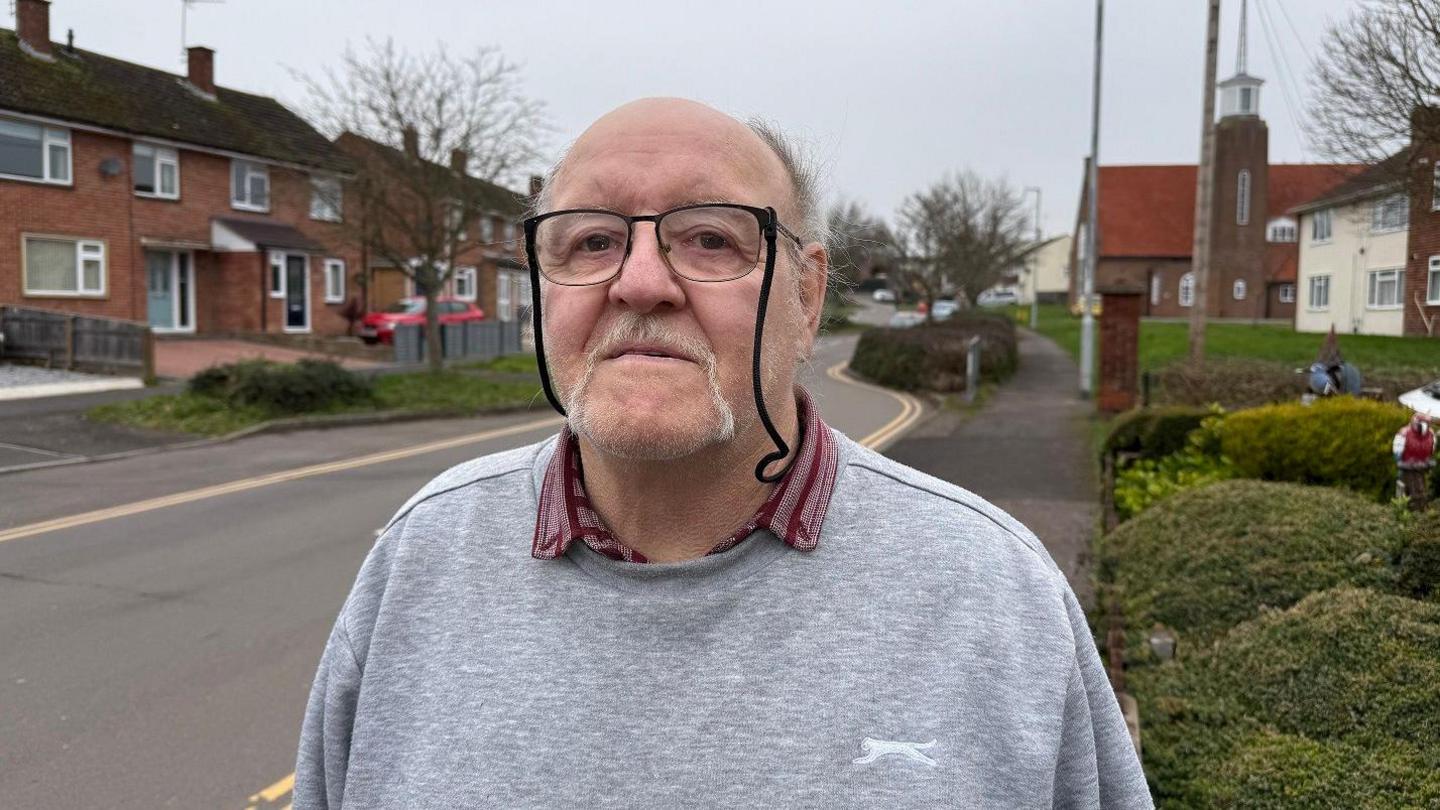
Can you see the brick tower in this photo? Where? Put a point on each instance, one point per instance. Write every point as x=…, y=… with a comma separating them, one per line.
x=1237, y=281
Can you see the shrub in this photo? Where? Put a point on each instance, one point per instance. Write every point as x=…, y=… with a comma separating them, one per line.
x=932, y=355
x=1154, y=432
x=306, y=386
x=1209, y=558
x=1240, y=382
x=1419, y=562
x=1334, y=442
x=1344, y=685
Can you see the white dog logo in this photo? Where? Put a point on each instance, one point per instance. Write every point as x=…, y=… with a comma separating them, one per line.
x=875, y=749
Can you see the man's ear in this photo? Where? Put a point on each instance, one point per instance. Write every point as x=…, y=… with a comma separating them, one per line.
x=813, y=284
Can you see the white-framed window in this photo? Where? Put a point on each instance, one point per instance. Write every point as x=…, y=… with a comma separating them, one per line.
x=1287, y=293
x=277, y=275
x=487, y=229
x=1383, y=289
x=156, y=171
x=1238, y=289
x=465, y=283
x=1319, y=293
x=249, y=186
x=325, y=198
x=1435, y=189
x=1320, y=226
x=1187, y=289
x=59, y=266
x=1155, y=289
x=1242, y=198
x=1432, y=282
x=33, y=152
x=1390, y=213
x=334, y=281
x=455, y=220
x=1280, y=230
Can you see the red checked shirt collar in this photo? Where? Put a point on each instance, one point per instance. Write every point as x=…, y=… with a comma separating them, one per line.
x=794, y=512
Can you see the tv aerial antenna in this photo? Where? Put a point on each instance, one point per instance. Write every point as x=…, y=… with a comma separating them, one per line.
x=184, y=11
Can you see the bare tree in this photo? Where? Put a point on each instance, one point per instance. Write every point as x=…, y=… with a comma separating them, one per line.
x=422, y=130
x=1377, y=75
x=960, y=234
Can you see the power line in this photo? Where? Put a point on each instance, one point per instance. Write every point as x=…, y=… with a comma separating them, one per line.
x=1282, y=69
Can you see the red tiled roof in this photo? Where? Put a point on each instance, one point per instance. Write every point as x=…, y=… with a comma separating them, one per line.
x=1282, y=261
x=1149, y=211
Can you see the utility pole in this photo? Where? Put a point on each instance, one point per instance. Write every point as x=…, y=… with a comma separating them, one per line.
x=1205, y=190
x=1035, y=263
x=1087, y=290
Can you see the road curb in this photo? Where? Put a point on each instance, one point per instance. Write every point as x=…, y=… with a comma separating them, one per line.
x=283, y=425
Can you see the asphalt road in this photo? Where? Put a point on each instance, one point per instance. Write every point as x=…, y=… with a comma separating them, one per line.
x=161, y=617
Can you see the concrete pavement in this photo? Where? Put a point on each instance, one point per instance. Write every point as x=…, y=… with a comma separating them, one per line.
x=1027, y=452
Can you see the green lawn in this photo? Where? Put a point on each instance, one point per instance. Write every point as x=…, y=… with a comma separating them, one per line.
x=1162, y=343
x=449, y=392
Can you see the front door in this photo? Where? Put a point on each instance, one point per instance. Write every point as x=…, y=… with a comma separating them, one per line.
x=297, y=293
x=170, y=291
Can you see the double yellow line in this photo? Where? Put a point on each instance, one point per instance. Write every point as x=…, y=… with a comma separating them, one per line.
x=910, y=408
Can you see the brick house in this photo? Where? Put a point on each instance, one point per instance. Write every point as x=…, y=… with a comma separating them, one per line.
x=1147, y=221
x=1420, y=288
x=130, y=192
x=488, y=266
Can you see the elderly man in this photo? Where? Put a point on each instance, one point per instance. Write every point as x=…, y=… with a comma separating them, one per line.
x=698, y=594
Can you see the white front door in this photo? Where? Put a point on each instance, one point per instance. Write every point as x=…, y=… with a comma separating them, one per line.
x=170, y=287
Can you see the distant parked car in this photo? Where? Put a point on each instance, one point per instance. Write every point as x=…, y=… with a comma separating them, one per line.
x=883, y=295
x=944, y=308
x=907, y=319
x=379, y=327
x=998, y=298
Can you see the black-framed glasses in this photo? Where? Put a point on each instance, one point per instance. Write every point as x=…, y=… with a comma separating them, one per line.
x=708, y=242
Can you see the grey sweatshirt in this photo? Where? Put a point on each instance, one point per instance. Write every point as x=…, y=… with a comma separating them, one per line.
x=928, y=653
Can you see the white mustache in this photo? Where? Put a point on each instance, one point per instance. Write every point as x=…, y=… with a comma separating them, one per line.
x=631, y=327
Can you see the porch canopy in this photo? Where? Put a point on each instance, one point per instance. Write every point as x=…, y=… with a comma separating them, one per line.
x=246, y=235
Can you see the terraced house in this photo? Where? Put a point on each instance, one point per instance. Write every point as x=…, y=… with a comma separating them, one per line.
x=130, y=192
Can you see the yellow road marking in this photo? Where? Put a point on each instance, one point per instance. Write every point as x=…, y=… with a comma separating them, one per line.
x=275, y=791
x=138, y=507
x=910, y=407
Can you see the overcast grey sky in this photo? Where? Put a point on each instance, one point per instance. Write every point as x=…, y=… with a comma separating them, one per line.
x=888, y=95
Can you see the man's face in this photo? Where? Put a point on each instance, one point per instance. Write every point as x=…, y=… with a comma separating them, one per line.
x=650, y=365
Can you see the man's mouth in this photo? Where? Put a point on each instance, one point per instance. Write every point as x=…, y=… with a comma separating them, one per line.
x=638, y=350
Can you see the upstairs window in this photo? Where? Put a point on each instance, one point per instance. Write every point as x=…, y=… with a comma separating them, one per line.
x=34, y=152
x=487, y=229
x=1390, y=213
x=325, y=198
x=1280, y=230
x=249, y=186
x=1242, y=198
x=157, y=171
x=1320, y=226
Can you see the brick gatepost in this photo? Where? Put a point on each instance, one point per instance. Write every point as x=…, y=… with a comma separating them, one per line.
x=1119, y=349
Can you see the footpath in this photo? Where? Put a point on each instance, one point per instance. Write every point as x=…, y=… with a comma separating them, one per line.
x=1026, y=451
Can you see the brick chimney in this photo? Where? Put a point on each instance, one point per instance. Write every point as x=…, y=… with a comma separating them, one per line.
x=32, y=23
x=459, y=160
x=411, y=139
x=202, y=68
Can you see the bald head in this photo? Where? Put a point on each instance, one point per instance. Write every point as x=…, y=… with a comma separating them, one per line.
x=700, y=152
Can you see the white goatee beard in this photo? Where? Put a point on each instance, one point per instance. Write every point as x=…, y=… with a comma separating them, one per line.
x=605, y=426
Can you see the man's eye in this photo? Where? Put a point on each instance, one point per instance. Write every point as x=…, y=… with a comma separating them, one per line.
x=712, y=241
x=596, y=243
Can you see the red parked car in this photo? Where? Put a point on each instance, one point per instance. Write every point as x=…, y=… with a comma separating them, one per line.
x=379, y=327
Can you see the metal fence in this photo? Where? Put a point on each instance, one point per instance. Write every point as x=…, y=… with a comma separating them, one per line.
x=479, y=340
x=77, y=342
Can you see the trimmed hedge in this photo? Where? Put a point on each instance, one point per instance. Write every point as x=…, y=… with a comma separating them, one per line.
x=932, y=355
x=1154, y=432
x=303, y=387
x=1334, y=442
x=1208, y=558
x=1419, y=563
x=1239, y=382
x=1335, y=697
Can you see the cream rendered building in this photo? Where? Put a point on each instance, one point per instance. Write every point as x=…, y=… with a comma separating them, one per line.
x=1351, y=273
x=1046, y=271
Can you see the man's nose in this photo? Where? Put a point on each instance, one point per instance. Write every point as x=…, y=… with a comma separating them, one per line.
x=645, y=282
